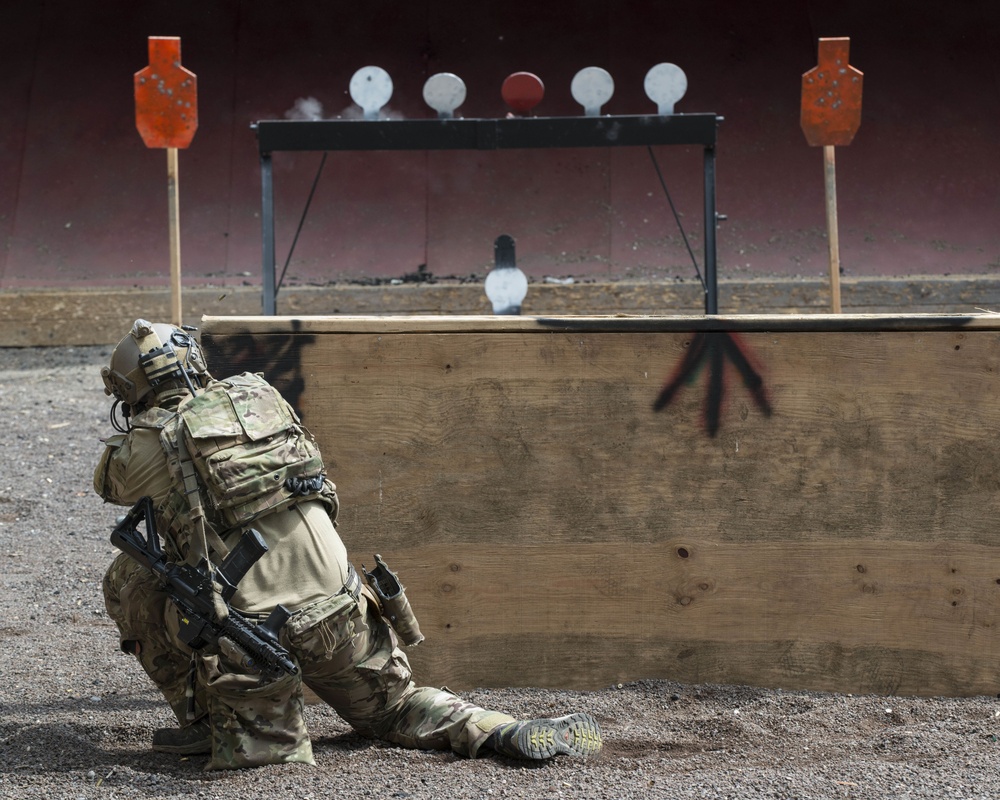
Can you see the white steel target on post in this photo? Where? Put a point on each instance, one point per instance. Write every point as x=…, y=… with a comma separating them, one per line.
x=444, y=92
x=592, y=87
x=665, y=84
x=371, y=88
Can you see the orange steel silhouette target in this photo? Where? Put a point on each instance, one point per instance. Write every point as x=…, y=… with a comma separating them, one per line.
x=831, y=96
x=830, y=116
x=166, y=115
x=166, y=96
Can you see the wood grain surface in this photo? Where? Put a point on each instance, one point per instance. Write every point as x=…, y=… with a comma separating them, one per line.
x=832, y=528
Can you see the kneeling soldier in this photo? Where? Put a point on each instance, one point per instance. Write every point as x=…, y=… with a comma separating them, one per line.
x=217, y=457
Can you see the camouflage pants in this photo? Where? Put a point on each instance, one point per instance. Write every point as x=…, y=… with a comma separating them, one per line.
x=348, y=656
x=352, y=660
x=139, y=609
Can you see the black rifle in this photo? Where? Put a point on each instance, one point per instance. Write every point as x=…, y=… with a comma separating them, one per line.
x=255, y=647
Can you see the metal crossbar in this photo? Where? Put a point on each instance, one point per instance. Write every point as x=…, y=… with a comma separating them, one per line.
x=486, y=134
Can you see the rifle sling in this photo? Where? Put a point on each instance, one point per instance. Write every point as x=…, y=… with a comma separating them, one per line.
x=205, y=535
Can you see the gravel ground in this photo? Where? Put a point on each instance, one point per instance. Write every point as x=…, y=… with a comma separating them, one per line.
x=77, y=715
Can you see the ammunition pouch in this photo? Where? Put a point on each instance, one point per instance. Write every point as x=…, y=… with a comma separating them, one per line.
x=393, y=603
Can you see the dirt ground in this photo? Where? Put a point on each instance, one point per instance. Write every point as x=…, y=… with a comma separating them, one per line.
x=76, y=716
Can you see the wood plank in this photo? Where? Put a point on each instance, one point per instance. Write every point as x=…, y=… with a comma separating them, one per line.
x=668, y=613
x=618, y=323
x=521, y=481
x=48, y=317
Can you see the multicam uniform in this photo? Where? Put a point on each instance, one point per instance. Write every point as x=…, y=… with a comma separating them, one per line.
x=348, y=655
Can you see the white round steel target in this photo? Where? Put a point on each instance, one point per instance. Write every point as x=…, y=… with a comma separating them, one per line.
x=592, y=87
x=665, y=84
x=371, y=88
x=444, y=92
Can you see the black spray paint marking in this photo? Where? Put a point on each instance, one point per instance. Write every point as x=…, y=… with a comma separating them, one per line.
x=277, y=356
x=714, y=349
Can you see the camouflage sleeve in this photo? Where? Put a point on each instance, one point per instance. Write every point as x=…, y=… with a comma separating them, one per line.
x=102, y=485
x=132, y=466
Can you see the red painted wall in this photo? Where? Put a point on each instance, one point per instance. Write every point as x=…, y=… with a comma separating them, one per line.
x=83, y=203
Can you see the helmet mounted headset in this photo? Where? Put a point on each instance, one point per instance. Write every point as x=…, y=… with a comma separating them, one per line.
x=152, y=358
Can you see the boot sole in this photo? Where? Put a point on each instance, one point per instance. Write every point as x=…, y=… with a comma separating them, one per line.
x=572, y=735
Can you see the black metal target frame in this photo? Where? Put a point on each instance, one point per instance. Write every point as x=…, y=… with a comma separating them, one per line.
x=510, y=133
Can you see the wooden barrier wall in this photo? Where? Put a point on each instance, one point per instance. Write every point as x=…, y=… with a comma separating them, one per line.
x=795, y=502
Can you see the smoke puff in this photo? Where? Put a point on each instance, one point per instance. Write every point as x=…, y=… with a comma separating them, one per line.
x=307, y=108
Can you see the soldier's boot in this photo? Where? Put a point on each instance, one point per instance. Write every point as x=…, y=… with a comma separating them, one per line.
x=539, y=739
x=191, y=740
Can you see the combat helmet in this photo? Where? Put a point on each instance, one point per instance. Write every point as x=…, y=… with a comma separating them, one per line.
x=151, y=358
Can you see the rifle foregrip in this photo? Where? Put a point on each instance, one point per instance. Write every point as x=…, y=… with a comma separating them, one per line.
x=269, y=659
